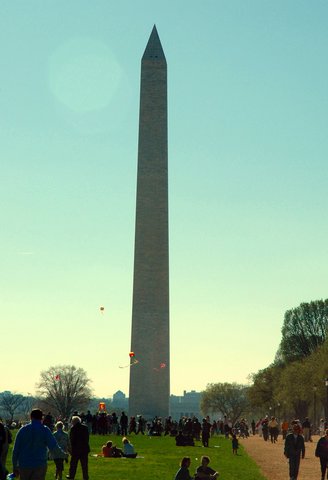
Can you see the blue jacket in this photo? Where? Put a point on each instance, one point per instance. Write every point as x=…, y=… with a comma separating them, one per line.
x=31, y=445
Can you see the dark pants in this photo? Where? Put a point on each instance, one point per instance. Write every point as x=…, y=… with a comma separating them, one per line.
x=84, y=465
x=205, y=439
x=323, y=465
x=294, y=465
x=37, y=473
x=59, y=462
x=3, y=471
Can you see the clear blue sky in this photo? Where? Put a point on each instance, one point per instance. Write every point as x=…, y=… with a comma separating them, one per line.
x=248, y=152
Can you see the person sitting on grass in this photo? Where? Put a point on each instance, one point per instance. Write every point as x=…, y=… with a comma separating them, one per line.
x=204, y=472
x=180, y=439
x=183, y=472
x=110, y=451
x=128, y=449
x=107, y=450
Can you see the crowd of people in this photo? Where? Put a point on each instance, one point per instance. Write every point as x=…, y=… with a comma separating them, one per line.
x=45, y=437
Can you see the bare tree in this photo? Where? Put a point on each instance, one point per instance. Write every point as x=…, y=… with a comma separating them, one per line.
x=29, y=403
x=64, y=389
x=11, y=402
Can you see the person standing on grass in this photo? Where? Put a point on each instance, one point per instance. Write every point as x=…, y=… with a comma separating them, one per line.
x=294, y=448
x=124, y=424
x=206, y=429
x=79, y=444
x=235, y=444
x=5, y=444
x=321, y=451
x=3, y=471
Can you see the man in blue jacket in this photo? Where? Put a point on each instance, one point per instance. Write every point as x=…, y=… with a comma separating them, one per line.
x=30, y=453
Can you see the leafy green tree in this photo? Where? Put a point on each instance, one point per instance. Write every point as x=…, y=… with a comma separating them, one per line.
x=304, y=330
x=64, y=389
x=263, y=392
x=317, y=366
x=295, y=388
x=229, y=399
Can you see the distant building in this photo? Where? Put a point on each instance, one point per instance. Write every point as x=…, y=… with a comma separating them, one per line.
x=120, y=401
x=186, y=406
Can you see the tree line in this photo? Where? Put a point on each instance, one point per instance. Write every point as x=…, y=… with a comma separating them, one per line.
x=294, y=384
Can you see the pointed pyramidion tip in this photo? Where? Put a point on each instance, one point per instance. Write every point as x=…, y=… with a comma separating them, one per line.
x=154, y=51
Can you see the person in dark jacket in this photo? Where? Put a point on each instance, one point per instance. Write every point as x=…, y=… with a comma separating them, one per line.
x=204, y=472
x=79, y=444
x=321, y=451
x=3, y=471
x=294, y=448
x=206, y=429
x=124, y=424
x=183, y=472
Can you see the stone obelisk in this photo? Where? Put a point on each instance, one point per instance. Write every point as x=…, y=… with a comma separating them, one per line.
x=150, y=377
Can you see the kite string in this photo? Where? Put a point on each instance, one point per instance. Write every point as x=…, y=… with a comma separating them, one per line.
x=130, y=364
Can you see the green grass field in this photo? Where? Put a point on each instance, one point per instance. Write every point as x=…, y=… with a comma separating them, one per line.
x=158, y=459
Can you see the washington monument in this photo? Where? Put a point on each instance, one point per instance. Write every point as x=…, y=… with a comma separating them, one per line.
x=150, y=377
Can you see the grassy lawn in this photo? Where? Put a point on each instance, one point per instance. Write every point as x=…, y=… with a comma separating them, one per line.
x=159, y=460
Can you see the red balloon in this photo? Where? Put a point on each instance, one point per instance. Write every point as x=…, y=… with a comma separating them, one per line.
x=131, y=354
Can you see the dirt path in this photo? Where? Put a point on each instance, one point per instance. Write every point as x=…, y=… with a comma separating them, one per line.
x=272, y=462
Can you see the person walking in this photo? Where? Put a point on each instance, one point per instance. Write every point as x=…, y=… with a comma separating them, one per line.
x=62, y=439
x=294, y=448
x=306, y=425
x=273, y=429
x=321, y=451
x=253, y=426
x=79, y=440
x=284, y=429
x=30, y=452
